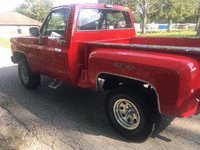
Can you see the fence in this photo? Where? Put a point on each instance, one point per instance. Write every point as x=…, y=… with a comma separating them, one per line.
x=152, y=27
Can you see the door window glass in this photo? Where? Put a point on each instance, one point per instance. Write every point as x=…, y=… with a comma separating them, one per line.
x=55, y=23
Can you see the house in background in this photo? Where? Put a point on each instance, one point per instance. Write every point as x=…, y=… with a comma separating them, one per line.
x=15, y=23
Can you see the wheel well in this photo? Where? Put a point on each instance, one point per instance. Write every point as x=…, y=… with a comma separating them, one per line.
x=107, y=82
x=19, y=56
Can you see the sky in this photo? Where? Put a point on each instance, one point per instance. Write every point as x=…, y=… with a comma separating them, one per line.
x=9, y=5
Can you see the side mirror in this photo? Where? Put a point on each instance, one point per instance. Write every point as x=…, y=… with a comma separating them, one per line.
x=34, y=31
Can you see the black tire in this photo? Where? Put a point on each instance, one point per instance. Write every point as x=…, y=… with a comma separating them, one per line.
x=29, y=79
x=130, y=114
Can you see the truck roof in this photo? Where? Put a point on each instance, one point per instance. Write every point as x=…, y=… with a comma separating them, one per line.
x=94, y=5
x=60, y=7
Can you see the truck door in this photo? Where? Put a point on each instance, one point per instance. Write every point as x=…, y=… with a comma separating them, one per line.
x=53, y=46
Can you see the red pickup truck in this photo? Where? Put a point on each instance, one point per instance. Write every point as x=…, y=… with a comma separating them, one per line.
x=94, y=46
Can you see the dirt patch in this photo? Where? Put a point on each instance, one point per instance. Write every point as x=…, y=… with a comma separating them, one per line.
x=13, y=134
x=10, y=138
x=5, y=103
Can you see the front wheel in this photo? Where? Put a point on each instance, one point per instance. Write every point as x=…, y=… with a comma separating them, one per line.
x=130, y=114
x=29, y=79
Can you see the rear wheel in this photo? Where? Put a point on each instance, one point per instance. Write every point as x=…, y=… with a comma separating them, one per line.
x=130, y=114
x=29, y=79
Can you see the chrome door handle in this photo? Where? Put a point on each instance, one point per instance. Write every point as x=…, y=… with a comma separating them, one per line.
x=61, y=41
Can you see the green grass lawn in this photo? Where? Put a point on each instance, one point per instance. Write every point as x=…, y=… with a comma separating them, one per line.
x=5, y=42
x=185, y=33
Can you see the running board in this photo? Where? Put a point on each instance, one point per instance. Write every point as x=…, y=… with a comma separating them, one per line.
x=55, y=84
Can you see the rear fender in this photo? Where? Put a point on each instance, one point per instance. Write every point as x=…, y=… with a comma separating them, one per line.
x=173, y=77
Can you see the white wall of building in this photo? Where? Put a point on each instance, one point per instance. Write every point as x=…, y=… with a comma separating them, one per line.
x=14, y=29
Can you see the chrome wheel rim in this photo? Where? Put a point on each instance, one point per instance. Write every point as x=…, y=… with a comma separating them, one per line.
x=126, y=114
x=24, y=74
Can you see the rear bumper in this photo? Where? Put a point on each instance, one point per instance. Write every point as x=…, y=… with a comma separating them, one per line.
x=198, y=109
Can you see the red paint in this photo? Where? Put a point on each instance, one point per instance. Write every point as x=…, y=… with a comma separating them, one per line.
x=174, y=75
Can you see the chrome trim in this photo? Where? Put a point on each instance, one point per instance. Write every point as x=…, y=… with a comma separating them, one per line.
x=131, y=79
x=108, y=5
x=104, y=30
x=63, y=42
x=100, y=82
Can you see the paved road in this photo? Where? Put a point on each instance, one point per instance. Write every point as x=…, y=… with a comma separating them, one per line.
x=74, y=118
x=5, y=54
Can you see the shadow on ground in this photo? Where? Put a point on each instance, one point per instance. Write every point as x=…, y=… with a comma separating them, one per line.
x=67, y=107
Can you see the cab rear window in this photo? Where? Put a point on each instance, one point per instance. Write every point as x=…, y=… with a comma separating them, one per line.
x=103, y=19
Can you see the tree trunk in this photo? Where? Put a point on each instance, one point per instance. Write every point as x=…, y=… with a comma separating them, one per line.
x=197, y=23
x=198, y=26
x=198, y=30
x=144, y=21
x=169, y=25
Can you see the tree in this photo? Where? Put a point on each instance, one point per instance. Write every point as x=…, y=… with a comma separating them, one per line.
x=176, y=10
x=198, y=31
x=169, y=11
x=197, y=13
x=35, y=9
x=139, y=8
x=145, y=7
